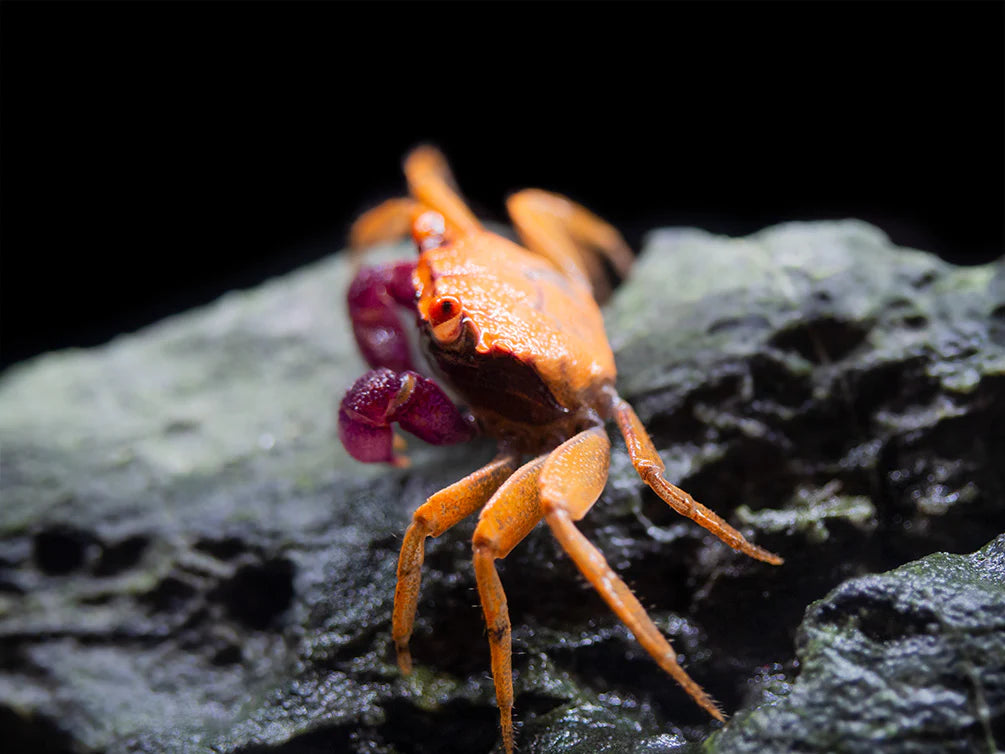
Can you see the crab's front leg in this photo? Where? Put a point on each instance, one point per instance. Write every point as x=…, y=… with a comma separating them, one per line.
x=382, y=397
x=440, y=512
x=560, y=487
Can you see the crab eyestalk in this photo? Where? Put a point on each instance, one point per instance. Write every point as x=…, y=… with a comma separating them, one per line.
x=445, y=317
x=382, y=397
x=428, y=231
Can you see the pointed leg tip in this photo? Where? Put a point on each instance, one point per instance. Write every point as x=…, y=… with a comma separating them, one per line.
x=506, y=727
x=771, y=558
x=404, y=661
x=759, y=553
x=709, y=704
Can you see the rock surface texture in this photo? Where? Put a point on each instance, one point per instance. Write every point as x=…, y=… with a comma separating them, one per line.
x=190, y=563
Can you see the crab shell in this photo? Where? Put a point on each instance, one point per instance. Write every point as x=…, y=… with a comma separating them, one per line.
x=533, y=372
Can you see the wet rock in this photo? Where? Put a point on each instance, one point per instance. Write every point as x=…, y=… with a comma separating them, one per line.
x=190, y=562
x=912, y=660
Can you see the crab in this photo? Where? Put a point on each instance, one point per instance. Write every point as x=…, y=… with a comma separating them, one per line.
x=517, y=333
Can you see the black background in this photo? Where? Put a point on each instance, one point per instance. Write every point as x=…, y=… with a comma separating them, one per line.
x=156, y=155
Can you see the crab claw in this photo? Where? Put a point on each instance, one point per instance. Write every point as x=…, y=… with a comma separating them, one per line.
x=373, y=299
x=416, y=403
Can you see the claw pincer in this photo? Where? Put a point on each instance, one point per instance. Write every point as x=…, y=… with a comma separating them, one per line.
x=382, y=397
x=374, y=297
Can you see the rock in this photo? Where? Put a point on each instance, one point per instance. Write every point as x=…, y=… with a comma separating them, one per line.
x=912, y=660
x=189, y=562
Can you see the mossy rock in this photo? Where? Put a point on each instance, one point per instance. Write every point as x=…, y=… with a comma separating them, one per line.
x=189, y=562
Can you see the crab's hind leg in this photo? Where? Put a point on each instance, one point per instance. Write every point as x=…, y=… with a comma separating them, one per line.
x=571, y=480
x=650, y=467
x=571, y=236
x=440, y=512
x=388, y=221
x=431, y=183
x=432, y=188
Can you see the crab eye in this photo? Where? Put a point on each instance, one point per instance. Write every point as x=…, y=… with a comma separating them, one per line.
x=445, y=317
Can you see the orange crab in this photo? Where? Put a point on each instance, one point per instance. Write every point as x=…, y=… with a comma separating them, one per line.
x=518, y=334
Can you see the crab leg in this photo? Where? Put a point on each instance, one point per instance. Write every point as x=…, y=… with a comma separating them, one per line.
x=440, y=512
x=432, y=187
x=374, y=296
x=388, y=221
x=571, y=481
x=570, y=236
x=383, y=396
x=560, y=487
x=505, y=520
x=650, y=467
x=430, y=182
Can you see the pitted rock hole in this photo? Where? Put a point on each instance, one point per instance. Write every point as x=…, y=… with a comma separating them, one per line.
x=924, y=279
x=121, y=556
x=905, y=313
x=10, y=587
x=684, y=424
x=225, y=548
x=879, y=616
x=170, y=595
x=616, y=663
x=822, y=340
x=449, y=632
x=774, y=380
x=536, y=703
x=457, y=727
x=33, y=733
x=258, y=593
x=752, y=322
x=227, y=654
x=335, y=738
x=62, y=549
x=892, y=386
x=755, y=471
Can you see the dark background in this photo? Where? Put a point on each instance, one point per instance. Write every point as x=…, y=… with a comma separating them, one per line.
x=157, y=155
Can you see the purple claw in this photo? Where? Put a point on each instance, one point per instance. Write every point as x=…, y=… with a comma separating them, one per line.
x=381, y=397
x=374, y=295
